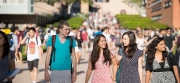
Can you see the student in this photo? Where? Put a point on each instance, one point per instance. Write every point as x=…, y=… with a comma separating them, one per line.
x=131, y=71
x=19, y=47
x=33, y=43
x=59, y=56
x=160, y=68
x=100, y=60
x=6, y=64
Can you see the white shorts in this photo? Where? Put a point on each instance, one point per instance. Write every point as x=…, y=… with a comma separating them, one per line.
x=76, y=49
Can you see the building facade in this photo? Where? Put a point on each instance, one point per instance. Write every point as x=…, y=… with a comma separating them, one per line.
x=25, y=11
x=16, y=6
x=164, y=11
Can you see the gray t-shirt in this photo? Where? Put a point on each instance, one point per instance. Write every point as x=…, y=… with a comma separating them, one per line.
x=4, y=68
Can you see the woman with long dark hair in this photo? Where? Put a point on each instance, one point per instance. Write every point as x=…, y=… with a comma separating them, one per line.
x=131, y=71
x=7, y=62
x=160, y=67
x=100, y=60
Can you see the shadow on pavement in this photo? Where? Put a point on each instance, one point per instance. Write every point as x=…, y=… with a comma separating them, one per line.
x=85, y=62
x=80, y=72
x=26, y=69
x=42, y=81
x=22, y=70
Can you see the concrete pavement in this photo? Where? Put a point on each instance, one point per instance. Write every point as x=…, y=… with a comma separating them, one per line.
x=24, y=74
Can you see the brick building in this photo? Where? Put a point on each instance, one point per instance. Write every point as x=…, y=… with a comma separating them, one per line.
x=164, y=11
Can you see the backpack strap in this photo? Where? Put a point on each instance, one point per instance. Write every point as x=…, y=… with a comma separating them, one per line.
x=36, y=40
x=71, y=42
x=53, y=48
x=9, y=59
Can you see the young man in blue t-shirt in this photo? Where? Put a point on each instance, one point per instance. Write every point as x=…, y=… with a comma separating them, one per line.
x=60, y=60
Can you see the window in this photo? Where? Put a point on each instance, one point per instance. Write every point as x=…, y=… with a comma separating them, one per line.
x=4, y=1
x=167, y=4
x=157, y=17
x=156, y=2
x=156, y=8
x=32, y=2
x=32, y=9
x=148, y=6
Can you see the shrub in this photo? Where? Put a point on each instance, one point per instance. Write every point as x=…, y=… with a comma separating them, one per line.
x=133, y=21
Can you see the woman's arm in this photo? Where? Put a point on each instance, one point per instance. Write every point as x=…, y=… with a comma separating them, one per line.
x=89, y=71
x=148, y=76
x=176, y=73
x=114, y=62
x=140, y=68
x=119, y=58
x=12, y=68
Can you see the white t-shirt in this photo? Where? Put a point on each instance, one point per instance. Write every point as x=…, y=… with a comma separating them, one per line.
x=140, y=43
x=53, y=32
x=108, y=38
x=33, y=49
x=46, y=36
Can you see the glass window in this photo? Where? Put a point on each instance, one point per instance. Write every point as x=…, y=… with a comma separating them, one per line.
x=32, y=2
x=4, y=1
x=32, y=9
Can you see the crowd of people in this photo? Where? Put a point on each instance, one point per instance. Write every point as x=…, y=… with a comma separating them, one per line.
x=106, y=42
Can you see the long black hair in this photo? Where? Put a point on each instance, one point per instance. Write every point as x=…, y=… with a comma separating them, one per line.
x=6, y=45
x=96, y=51
x=151, y=50
x=132, y=47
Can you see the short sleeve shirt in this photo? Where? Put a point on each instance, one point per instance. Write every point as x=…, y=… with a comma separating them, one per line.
x=4, y=68
x=33, y=48
x=61, y=60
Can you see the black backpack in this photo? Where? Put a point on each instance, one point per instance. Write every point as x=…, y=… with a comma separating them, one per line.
x=10, y=39
x=54, y=49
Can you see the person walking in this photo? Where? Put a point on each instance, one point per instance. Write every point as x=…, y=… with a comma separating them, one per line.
x=99, y=61
x=61, y=48
x=131, y=71
x=7, y=62
x=33, y=52
x=19, y=47
x=160, y=67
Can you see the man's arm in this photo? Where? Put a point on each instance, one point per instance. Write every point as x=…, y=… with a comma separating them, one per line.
x=74, y=65
x=47, y=61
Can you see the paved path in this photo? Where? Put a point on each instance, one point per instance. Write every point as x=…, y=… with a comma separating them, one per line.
x=24, y=75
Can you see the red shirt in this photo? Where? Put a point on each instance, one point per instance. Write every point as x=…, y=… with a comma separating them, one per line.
x=84, y=36
x=18, y=36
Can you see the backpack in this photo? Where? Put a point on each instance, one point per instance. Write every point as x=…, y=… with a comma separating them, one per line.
x=36, y=40
x=54, y=49
x=10, y=39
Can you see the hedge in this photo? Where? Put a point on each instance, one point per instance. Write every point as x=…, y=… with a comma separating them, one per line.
x=74, y=22
x=133, y=21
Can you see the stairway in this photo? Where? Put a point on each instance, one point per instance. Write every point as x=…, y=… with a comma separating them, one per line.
x=115, y=6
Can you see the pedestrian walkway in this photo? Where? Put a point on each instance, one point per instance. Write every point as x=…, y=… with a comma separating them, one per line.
x=24, y=75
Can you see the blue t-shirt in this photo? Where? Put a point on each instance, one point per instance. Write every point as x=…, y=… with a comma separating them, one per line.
x=62, y=54
x=97, y=33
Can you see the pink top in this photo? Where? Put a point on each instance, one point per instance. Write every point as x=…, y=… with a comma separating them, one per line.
x=102, y=73
x=84, y=36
